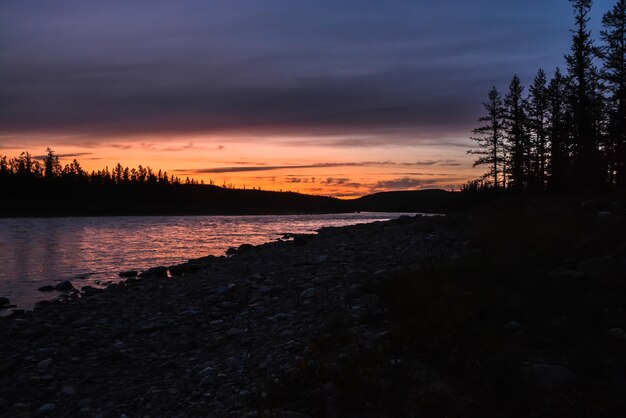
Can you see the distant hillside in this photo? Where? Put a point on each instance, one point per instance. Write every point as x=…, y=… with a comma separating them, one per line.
x=430, y=201
x=42, y=199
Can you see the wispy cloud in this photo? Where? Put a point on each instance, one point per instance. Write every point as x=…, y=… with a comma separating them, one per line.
x=68, y=155
x=237, y=169
x=180, y=148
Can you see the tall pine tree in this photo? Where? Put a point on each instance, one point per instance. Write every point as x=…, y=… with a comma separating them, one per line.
x=558, y=132
x=538, y=123
x=517, y=140
x=489, y=138
x=613, y=53
x=588, y=172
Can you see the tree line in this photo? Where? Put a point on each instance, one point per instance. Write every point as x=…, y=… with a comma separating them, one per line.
x=25, y=168
x=568, y=132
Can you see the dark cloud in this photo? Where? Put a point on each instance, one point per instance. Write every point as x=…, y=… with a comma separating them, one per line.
x=237, y=169
x=406, y=183
x=69, y=155
x=352, y=73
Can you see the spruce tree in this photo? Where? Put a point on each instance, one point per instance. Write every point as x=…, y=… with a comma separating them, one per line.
x=613, y=53
x=517, y=139
x=489, y=138
x=583, y=78
x=538, y=124
x=559, y=124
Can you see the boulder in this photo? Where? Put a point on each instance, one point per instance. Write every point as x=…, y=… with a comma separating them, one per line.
x=4, y=302
x=47, y=288
x=160, y=272
x=128, y=273
x=545, y=376
x=299, y=241
x=46, y=409
x=245, y=247
x=64, y=286
x=185, y=268
x=600, y=268
x=566, y=274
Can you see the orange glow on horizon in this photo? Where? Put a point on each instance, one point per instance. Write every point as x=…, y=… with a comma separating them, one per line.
x=345, y=172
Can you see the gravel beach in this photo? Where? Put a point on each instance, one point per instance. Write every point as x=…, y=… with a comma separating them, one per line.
x=212, y=336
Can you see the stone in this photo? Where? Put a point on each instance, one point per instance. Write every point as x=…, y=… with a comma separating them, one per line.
x=590, y=205
x=182, y=269
x=4, y=302
x=231, y=251
x=245, y=247
x=616, y=334
x=545, y=376
x=320, y=259
x=299, y=241
x=47, y=288
x=566, y=274
x=64, y=286
x=235, y=333
x=128, y=273
x=44, y=364
x=308, y=293
x=68, y=390
x=160, y=272
x=46, y=409
x=513, y=327
x=599, y=268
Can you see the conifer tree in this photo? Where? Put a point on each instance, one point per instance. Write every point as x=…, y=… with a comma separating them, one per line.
x=558, y=132
x=613, y=54
x=583, y=78
x=538, y=123
x=517, y=139
x=489, y=138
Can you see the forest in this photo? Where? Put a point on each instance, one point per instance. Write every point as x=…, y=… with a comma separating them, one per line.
x=33, y=187
x=568, y=133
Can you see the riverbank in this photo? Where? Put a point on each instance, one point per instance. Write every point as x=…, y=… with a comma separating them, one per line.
x=513, y=309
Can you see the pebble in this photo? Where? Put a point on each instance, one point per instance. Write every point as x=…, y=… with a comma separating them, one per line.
x=46, y=409
x=217, y=334
x=44, y=364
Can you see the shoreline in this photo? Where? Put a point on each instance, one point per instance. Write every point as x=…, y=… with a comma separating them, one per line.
x=512, y=309
x=205, y=330
x=191, y=237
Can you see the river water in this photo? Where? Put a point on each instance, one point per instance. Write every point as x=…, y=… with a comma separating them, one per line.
x=35, y=252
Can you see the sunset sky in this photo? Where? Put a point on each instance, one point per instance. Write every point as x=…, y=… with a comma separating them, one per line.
x=339, y=98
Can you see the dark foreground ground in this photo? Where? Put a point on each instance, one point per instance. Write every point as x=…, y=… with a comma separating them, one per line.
x=513, y=309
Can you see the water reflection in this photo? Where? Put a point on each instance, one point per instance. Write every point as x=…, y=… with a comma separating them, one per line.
x=90, y=251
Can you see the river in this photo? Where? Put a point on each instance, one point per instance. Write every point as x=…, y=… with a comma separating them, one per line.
x=91, y=251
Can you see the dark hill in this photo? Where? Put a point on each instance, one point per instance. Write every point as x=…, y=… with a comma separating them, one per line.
x=428, y=201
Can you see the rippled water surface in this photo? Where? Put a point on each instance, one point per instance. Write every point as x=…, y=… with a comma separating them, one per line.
x=91, y=251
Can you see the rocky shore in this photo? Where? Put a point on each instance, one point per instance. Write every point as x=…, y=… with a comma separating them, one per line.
x=214, y=336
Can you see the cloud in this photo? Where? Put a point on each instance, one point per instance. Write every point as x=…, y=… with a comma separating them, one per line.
x=68, y=155
x=378, y=76
x=237, y=169
x=406, y=183
x=181, y=148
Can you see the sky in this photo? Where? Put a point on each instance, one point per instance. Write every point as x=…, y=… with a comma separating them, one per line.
x=341, y=98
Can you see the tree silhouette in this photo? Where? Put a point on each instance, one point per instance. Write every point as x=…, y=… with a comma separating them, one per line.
x=489, y=138
x=517, y=139
x=613, y=54
x=583, y=80
x=559, y=132
x=538, y=118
